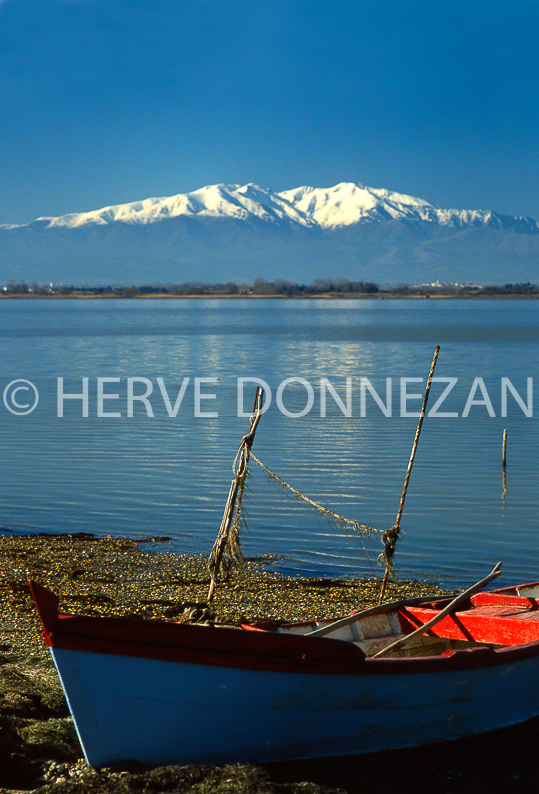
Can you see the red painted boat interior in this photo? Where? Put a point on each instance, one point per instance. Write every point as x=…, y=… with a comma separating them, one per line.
x=499, y=617
x=493, y=624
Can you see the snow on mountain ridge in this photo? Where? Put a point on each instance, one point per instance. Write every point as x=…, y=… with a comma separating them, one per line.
x=343, y=205
x=230, y=201
x=247, y=200
x=351, y=202
x=231, y=232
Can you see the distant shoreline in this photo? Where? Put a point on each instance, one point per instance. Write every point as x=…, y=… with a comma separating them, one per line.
x=322, y=296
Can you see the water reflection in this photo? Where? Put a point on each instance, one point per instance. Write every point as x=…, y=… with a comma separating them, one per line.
x=169, y=475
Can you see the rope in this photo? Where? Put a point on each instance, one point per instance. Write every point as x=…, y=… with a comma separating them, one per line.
x=389, y=540
x=361, y=529
x=226, y=548
x=232, y=551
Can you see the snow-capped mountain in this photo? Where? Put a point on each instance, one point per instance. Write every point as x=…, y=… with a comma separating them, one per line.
x=240, y=202
x=349, y=203
x=240, y=232
x=344, y=204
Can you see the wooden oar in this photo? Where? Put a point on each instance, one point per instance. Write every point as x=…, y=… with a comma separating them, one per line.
x=496, y=571
x=379, y=609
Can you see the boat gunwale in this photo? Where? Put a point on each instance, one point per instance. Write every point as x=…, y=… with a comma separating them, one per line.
x=243, y=649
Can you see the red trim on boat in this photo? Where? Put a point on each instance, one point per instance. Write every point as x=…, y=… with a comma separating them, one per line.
x=266, y=650
x=181, y=642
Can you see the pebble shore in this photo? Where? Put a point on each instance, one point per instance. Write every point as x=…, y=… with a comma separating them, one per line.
x=39, y=750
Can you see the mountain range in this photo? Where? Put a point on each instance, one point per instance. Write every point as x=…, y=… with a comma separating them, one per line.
x=223, y=233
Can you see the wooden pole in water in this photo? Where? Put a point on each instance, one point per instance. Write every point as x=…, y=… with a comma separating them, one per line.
x=504, y=461
x=396, y=528
x=242, y=458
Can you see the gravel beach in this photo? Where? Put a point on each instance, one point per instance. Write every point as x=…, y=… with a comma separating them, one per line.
x=39, y=750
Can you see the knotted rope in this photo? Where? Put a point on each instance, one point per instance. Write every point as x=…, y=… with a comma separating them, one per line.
x=389, y=541
x=344, y=523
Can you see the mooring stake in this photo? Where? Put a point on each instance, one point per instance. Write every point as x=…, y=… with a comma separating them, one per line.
x=239, y=467
x=390, y=536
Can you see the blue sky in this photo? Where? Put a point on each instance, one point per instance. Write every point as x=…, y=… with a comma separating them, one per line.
x=110, y=101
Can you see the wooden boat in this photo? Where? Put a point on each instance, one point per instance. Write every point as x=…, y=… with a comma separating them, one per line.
x=162, y=693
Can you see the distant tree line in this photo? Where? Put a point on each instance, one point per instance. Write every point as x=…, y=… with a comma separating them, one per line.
x=513, y=289
x=279, y=287
x=259, y=287
x=520, y=288
x=320, y=286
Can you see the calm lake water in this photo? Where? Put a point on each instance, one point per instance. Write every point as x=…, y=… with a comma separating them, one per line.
x=166, y=469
